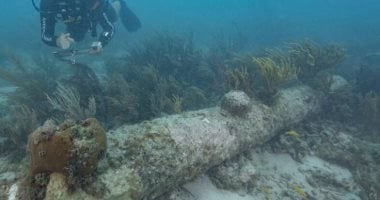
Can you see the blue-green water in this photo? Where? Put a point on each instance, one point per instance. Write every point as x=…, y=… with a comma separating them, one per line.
x=263, y=22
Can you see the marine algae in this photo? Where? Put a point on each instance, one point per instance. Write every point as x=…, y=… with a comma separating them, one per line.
x=274, y=73
x=313, y=58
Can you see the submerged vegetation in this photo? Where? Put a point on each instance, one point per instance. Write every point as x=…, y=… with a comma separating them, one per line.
x=313, y=58
x=316, y=63
x=18, y=125
x=33, y=82
x=168, y=74
x=274, y=72
x=369, y=109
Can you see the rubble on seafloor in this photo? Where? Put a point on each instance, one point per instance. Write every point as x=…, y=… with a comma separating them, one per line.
x=327, y=160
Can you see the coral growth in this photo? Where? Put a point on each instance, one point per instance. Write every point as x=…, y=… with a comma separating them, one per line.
x=145, y=82
x=67, y=100
x=177, y=102
x=236, y=103
x=32, y=102
x=169, y=54
x=50, y=151
x=70, y=149
x=313, y=58
x=18, y=125
x=32, y=82
x=274, y=72
x=194, y=98
x=239, y=79
x=241, y=74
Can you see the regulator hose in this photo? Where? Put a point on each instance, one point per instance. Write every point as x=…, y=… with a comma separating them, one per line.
x=35, y=6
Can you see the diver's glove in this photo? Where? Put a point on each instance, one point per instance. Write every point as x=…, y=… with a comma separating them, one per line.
x=64, y=41
x=96, y=47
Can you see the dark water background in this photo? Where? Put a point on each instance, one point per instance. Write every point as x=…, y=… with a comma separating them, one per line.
x=353, y=23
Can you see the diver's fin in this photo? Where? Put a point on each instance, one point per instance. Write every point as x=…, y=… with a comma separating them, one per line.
x=129, y=19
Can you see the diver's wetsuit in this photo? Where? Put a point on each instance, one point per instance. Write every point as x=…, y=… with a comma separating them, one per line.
x=80, y=16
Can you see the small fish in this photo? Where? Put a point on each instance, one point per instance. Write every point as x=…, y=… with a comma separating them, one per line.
x=310, y=60
x=292, y=133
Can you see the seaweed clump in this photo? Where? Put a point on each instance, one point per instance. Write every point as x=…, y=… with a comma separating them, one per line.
x=67, y=101
x=313, y=59
x=32, y=82
x=239, y=79
x=261, y=77
x=274, y=72
x=26, y=103
x=166, y=74
x=18, y=125
x=42, y=92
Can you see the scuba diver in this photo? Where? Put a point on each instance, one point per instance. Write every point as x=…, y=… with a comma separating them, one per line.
x=82, y=16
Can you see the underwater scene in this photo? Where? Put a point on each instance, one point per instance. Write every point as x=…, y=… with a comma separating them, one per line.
x=190, y=100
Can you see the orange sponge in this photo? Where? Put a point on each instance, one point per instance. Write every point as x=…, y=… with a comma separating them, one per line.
x=73, y=150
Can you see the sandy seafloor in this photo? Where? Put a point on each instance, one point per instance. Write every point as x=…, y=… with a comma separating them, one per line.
x=277, y=176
